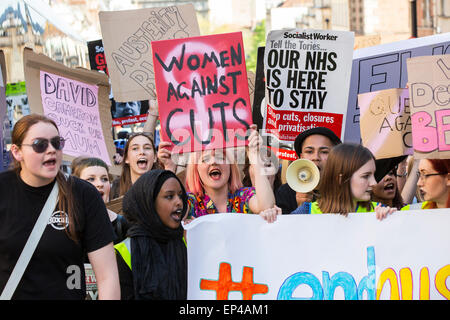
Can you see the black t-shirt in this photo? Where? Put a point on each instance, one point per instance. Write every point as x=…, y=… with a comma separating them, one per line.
x=56, y=269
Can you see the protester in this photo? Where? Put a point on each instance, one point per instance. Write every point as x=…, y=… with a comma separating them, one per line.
x=346, y=183
x=138, y=158
x=152, y=262
x=315, y=145
x=433, y=184
x=95, y=171
x=386, y=191
x=78, y=224
x=214, y=183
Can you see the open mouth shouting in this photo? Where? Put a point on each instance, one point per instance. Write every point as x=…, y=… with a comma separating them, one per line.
x=142, y=163
x=389, y=188
x=215, y=174
x=50, y=163
x=177, y=215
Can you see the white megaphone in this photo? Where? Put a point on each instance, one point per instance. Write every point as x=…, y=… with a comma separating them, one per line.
x=302, y=175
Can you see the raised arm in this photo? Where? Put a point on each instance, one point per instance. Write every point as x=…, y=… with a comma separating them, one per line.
x=264, y=197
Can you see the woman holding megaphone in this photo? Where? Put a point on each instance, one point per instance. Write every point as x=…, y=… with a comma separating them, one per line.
x=346, y=183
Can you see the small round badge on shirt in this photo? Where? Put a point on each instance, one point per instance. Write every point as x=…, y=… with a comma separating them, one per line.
x=59, y=220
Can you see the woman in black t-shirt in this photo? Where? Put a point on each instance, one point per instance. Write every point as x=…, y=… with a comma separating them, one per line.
x=79, y=223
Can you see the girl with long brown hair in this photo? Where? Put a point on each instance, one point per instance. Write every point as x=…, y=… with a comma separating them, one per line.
x=139, y=157
x=79, y=224
x=346, y=183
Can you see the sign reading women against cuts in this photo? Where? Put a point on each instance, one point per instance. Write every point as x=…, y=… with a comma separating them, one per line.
x=73, y=105
x=429, y=89
x=307, y=81
x=202, y=90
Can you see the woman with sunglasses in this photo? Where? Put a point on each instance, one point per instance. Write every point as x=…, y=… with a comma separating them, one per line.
x=79, y=223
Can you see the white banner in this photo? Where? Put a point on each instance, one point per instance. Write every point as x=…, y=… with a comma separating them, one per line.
x=237, y=256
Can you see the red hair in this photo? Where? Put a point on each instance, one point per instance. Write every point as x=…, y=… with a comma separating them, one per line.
x=194, y=183
x=441, y=166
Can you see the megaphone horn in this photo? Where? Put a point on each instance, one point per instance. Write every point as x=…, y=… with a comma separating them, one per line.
x=302, y=175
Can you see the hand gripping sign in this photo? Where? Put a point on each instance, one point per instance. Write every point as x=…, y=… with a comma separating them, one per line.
x=202, y=90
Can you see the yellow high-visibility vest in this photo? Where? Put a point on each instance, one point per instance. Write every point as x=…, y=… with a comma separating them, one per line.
x=416, y=206
x=124, y=249
x=316, y=210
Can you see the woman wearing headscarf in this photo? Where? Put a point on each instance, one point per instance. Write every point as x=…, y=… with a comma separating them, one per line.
x=152, y=261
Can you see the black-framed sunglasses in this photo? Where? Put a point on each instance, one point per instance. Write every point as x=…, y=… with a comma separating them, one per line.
x=40, y=145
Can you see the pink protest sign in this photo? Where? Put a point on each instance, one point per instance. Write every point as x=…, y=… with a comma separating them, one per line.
x=202, y=89
x=429, y=88
x=73, y=105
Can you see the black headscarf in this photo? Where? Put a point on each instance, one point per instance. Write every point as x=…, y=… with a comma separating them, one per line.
x=158, y=253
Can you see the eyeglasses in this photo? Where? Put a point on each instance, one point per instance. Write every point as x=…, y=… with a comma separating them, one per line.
x=40, y=145
x=423, y=176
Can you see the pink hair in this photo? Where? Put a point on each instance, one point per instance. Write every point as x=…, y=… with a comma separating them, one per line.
x=194, y=183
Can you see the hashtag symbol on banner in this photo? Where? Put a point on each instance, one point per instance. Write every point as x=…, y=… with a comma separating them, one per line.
x=225, y=284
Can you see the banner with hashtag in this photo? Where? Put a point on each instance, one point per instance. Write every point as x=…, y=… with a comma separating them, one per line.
x=320, y=257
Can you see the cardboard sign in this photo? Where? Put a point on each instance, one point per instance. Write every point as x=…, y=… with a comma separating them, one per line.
x=73, y=105
x=307, y=81
x=203, y=95
x=320, y=257
x=123, y=113
x=429, y=88
x=72, y=96
x=384, y=67
x=386, y=122
x=126, y=38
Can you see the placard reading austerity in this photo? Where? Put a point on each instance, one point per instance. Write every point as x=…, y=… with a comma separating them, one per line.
x=320, y=257
x=429, y=88
x=386, y=122
x=307, y=81
x=73, y=105
x=202, y=90
x=126, y=37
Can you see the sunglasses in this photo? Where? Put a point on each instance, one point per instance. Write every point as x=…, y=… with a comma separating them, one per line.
x=40, y=145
